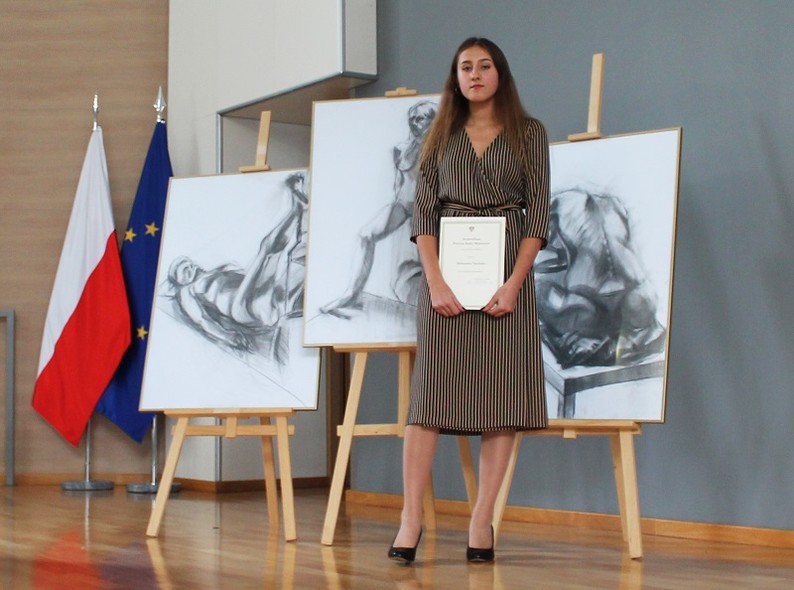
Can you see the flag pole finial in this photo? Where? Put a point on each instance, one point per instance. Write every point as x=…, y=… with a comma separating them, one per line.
x=96, y=112
x=160, y=105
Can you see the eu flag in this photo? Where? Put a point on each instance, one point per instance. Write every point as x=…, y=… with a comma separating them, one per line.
x=139, y=253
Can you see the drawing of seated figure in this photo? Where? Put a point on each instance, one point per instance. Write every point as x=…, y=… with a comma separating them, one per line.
x=245, y=309
x=595, y=303
x=388, y=220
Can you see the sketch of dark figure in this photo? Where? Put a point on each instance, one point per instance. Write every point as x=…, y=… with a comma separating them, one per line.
x=246, y=309
x=389, y=219
x=595, y=303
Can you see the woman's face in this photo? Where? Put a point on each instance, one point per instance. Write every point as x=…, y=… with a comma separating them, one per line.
x=477, y=76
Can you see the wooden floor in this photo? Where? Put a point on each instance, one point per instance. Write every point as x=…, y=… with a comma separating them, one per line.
x=83, y=540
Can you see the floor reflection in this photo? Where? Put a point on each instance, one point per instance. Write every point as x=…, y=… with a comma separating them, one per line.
x=52, y=540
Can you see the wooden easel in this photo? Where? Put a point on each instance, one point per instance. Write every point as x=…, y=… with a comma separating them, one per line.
x=621, y=433
x=400, y=91
x=232, y=429
x=596, y=92
x=621, y=439
x=260, y=163
x=348, y=430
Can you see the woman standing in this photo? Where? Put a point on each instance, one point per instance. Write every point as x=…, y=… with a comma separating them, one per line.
x=476, y=372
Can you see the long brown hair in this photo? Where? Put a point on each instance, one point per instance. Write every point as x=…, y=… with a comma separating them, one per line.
x=453, y=110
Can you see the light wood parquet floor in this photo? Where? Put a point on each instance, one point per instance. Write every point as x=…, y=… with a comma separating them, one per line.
x=86, y=540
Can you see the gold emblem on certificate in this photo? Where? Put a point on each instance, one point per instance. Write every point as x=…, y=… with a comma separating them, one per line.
x=471, y=255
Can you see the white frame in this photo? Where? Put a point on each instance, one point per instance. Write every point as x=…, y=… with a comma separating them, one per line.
x=363, y=169
x=642, y=171
x=219, y=222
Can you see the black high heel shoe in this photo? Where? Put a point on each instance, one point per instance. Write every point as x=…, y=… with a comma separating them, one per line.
x=478, y=555
x=404, y=554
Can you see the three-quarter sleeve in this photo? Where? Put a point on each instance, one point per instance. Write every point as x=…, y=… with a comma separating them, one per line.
x=426, y=209
x=537, y=197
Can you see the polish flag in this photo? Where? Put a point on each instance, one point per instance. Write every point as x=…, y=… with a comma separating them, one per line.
x=87, y=328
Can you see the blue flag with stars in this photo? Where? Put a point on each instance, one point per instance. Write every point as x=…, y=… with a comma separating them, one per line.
x=139, y=254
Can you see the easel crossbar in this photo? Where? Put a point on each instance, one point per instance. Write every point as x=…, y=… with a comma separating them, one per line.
x=576, y=428
x=240, y=430
x=373, y=430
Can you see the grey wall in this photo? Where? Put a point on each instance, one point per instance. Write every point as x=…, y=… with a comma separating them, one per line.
x=722, y=70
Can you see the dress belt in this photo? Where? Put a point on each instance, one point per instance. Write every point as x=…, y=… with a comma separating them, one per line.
x=483, y=211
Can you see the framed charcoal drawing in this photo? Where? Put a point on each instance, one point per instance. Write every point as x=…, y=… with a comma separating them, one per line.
x=227, y=318
x=362, y=269
x=604, y=281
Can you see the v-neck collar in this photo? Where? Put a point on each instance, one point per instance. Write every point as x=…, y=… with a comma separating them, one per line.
x=487, y=147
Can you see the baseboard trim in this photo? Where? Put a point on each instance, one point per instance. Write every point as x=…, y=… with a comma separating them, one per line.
x=697, y=531
x=196, y=485
x=54, y=479
x=252, y=485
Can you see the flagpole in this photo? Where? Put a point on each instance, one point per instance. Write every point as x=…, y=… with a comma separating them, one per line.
x=152, y=486
x=87, y=484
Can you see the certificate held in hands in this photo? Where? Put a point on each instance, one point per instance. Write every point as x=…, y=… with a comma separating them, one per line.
x=471, y=255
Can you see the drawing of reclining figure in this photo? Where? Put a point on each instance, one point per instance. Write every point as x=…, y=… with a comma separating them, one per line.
x=246, y=309
x=595, y=303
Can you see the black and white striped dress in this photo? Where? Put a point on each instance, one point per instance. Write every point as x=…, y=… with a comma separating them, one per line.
x=474, y=373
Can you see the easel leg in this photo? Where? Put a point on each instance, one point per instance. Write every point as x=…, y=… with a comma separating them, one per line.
x=168, y=477
x=285, y=471
x=620, y=484
x=271, y=490
x=504, y=490
x=345, y=444
x=624, y=464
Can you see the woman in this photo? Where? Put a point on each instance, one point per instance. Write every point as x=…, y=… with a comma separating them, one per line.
x=476, y=372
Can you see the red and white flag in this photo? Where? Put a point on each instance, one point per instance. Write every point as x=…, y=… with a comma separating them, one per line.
x=87, y=328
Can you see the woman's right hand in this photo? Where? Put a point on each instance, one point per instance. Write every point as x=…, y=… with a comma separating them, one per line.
x=443, y=299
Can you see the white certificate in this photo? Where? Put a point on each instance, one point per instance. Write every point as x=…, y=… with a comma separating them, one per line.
x=471, y=254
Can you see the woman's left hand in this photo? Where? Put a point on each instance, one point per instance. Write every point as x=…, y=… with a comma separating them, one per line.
x=503, y=301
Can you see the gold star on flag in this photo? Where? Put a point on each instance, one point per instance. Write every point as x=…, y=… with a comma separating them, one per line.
x=142, y=332
x=151, y=229
x=129, y=235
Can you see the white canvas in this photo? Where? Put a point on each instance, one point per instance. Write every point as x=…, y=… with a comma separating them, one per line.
x=364, y=155
x=227, y=319
x=609, y=268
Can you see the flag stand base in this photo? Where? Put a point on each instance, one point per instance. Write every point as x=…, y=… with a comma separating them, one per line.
x=87, y=484
x=151, y=487
x=96, y=485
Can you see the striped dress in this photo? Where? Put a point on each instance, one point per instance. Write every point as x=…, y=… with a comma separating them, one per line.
x=474, y=373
